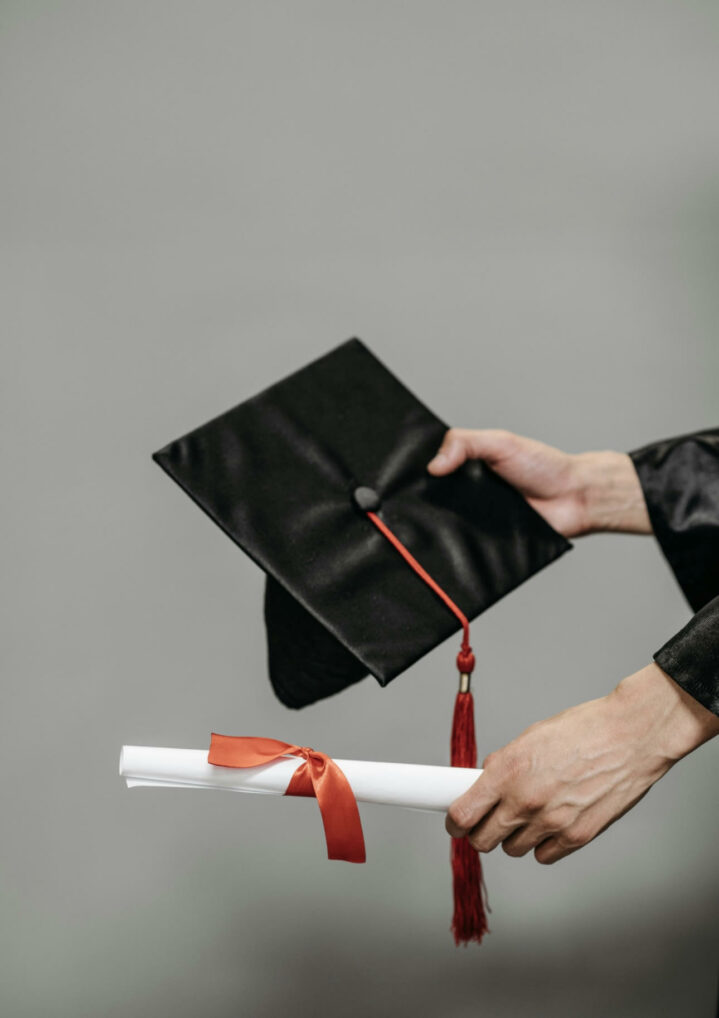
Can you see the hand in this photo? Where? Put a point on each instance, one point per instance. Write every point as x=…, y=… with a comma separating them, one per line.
x=565, y=780
x=576, y=494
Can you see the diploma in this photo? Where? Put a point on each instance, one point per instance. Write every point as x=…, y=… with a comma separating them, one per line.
x=414, y=786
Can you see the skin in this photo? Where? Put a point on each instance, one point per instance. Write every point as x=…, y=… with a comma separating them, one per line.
x=566, y=779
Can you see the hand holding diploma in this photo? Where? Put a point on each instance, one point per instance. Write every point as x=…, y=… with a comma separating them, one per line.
x=566, y=779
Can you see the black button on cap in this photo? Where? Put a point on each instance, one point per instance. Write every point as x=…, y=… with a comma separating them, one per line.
x=366, y=499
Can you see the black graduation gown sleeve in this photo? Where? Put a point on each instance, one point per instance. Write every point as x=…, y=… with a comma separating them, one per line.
x=680, y=481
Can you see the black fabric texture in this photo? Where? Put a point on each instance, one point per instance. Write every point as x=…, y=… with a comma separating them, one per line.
x=278, y=473
x=680, y=481
x=306, y=662
x=691, y=657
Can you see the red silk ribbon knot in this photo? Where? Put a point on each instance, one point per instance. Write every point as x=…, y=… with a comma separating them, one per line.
x=318, y=777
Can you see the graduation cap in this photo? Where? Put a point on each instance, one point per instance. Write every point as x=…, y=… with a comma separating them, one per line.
x=371, y=562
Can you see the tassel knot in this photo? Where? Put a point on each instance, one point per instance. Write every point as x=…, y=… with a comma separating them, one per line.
x=465, y=661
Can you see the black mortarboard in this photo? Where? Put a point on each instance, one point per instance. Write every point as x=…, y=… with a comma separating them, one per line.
x=290, y=476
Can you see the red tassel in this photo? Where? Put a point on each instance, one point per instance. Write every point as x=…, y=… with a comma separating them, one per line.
x=470, y=919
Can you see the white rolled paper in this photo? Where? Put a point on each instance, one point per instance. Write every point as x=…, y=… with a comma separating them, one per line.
x=414, y=786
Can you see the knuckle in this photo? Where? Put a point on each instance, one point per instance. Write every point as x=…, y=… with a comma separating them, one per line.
x=478, y=842
x=554, y=820
x=583, y=833
x=450, y=826
x=573, y=837
x=452, y=437
x=459, y=814
x=444, y=447
x=531, y=801
x=515, y=764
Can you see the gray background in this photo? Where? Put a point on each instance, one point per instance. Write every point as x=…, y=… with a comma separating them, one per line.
x=517, y=207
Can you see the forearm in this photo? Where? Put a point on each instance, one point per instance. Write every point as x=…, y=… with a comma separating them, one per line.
x=674, y=722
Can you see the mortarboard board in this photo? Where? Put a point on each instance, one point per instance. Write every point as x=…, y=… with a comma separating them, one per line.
x=290, y=474
x=322, y=479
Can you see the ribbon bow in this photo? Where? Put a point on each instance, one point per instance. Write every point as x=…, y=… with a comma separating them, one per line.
x=318, y=777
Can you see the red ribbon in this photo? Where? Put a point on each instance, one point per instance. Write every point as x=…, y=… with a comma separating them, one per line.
x=318, y=777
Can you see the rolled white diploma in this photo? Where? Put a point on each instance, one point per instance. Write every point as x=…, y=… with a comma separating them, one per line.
x=415, y=786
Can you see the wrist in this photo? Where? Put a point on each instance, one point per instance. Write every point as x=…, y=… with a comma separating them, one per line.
x=674, y=722
x=611, y=493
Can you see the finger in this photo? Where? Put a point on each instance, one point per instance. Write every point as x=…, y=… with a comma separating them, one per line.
x=550, y=851
x=523, y=840
x=558, y=846
x=450, y=456
x=577, y=835
x=497, y=825
x=489, y=444
x=469, y=809
x=452, y=828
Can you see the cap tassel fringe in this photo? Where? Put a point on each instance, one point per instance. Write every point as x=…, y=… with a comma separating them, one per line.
x=469, y=921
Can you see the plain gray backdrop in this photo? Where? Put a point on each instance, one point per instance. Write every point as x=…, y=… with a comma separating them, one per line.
x=517, y=207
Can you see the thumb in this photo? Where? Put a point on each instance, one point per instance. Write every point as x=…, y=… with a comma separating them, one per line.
x=492, y=445
x=451, y=454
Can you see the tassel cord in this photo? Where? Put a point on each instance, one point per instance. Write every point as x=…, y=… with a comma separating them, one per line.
x=469, y=922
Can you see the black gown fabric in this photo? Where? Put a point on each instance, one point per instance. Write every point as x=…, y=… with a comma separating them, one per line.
x=680, y=481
